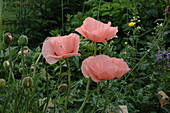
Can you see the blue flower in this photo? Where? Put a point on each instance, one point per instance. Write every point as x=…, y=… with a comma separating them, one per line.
x=159, y=56
x=167, y=55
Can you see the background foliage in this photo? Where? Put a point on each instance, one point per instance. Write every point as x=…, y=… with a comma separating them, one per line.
x=138, y=45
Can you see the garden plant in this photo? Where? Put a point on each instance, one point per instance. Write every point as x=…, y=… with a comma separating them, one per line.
x=90, y=56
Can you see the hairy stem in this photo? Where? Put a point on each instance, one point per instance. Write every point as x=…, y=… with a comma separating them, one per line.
x=86, y=96
x=69, y=83
x=106, y=96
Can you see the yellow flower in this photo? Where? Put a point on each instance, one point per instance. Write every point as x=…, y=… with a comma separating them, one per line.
x=131, y=24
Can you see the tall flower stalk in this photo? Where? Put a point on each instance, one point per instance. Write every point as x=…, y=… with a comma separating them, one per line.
x=1, y=4
x=88, y=83
x=86, y=96
x=23, y=61
x=69, y=83
x=106, y=96
x=47, y=88
x=11, y=75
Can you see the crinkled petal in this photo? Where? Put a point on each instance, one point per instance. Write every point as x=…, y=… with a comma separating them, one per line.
x=85, y=66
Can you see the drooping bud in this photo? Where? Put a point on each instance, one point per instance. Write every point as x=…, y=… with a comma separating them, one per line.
x=23, y=40
x=6, y=64
x=7, y=38
x=62, y=88
x=27, y=82
x=2, y=82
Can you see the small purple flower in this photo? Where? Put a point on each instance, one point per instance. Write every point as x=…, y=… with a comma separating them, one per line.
x=164, y=52
x=166, y=9
x=159, y=56
x=167, y=55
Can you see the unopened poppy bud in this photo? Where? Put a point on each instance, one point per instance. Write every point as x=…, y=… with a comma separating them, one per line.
x=2, y=82
x=7, y=38
x=32, y=67
x=6, y=64
x=24, y=52
x=27, y=82
x=23, y=40
x=62, y=88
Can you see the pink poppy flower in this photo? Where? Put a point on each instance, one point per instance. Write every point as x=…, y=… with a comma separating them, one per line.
x=57, y=48
x=97, y=31
x=102, y=67
x=25, y=52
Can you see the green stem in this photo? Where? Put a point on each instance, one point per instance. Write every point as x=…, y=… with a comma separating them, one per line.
x=95, y=49
x=135, y=67
x=55, y=104
x=23, y=62
x=6, y=102
x=69, y=83
x=97, y=100
x=47, y=90
x=62, y=16
x=106, y=96
x=83, y=6
x=35, y=64
x=86, y=96
x=1, y=4
x=99, y=10
x=20, y=99
x=11, y=66
x=161, y=5
x=27, y=100
x=59, y=78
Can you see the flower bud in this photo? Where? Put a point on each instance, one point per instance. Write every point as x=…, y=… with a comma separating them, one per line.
x=23, y=40
x=62, y=88
x=24, y=52
x=2, y=82
x=27, y=82
x=7, y=38
x=6, y=64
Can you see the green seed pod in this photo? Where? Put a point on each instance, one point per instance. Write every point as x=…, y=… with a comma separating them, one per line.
x=2, y=82
x=7, y=38
x=62, y=88
x=23, y=40
x=27, y=82
x=6, y=64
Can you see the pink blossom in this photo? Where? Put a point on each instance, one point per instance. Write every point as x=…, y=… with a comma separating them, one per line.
x=97, y=31
x=61, y=47
x=102, y=67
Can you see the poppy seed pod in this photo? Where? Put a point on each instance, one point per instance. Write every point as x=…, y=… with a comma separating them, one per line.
x=27, y=82
x=62, y=88
x=7, y=38
x=2, y=82
x=6, y=64
x=23, y=40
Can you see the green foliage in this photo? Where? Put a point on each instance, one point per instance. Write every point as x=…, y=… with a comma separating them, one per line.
x=138, y=45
